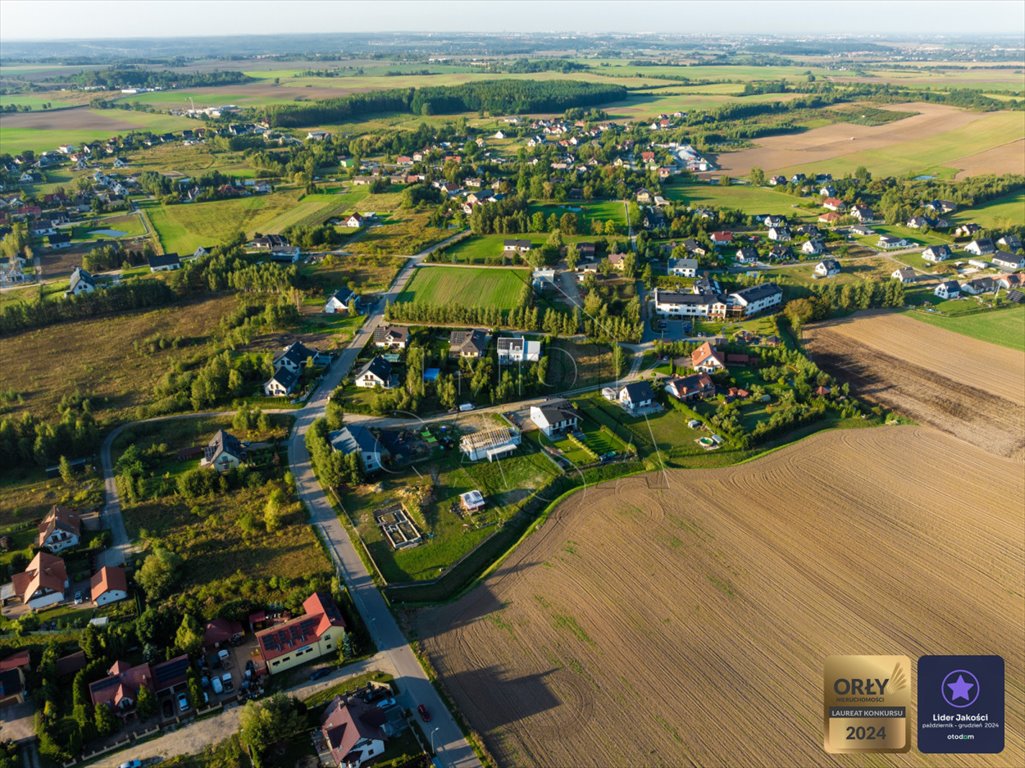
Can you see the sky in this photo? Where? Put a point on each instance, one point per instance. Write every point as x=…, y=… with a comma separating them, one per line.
x=84, y=19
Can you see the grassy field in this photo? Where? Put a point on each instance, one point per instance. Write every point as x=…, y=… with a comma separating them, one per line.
x=184, y=227
x=97, y=356
x=1008, y=210
x=41, y=131
x=750, y=200
x=468, y=287
x=1005, y=327
x=605, y=210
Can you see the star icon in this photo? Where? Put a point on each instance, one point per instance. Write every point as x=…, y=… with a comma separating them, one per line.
x=960, y=688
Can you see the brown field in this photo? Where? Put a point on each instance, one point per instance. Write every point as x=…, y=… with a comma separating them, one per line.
x=832, y=141
x=96, y=356
x=640, y=626
x=998, y=160
x=970, y=388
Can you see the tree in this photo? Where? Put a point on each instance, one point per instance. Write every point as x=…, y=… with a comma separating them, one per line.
x=66, y=472
x=266, y=723
x=158, y=574
x=146, y=703
x=757, y=176
x=195, y=689
x=106, y=720
x=274, y=511
x=189, y=638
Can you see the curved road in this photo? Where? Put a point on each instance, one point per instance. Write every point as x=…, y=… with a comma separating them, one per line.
x=452, y=747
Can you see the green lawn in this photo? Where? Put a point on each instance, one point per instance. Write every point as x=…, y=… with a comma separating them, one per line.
x=1008, y=210
x=186, y=226
x=469, y=287
x=605, y=210
x=486, y=249
x=1005, y=327
x=750, y=200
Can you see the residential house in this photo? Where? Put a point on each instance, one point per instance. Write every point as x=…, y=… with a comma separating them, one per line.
x=967, y=230
x=861, y=213
x=471, y=344
x=1010, y=242
x=58, y=240
x=517, y=349
x=376, y=373
x=779, y=234
x=521, y=247
x=296, y=355
x=490, y=443
x=218, y=632
x=644, y=196
x=224, y=452
x=982, y=247
x=42, y=583
x=707, y=359
x=721, y=238
x=165, y=263
x=937, y=253
x=352, y=732
x=1007, y=262
x=780, y=252
x=682, y=304
x=833, y=204
x=683, y=267
x=636, y=396
x=81, y=282
x=120, y=689
x=1010, y=282
x=543, y=278
x=889, y=242
x=827, y=268
x=355, y=221
x=691, y=387
x=746, y=254
x=904, y=274
x=812, y=247
x=108, y=585
x=318, y=632
x=949, y=289
x=61, y=529
x=754, y=299
x=282, y=383
x=774, y=221
x=979, y=285
x=391, y=337
x=830, y=217
x=338, y=303
x=555, y=417
x=941, y=206
x=617, y=261
x=361, y=441
x=860, y=230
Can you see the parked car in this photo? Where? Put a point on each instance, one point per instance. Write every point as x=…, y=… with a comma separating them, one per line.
x=216, y=685
x=424, y=714
x=131, y=764
x=385, y=703
x=78, y=598
x=205, y=682
x=226, y=681
x=224, y=657
x=183, y=702
x=320, y=672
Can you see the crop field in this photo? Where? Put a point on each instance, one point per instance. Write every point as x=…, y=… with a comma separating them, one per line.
x=669, y=612
x=643, y=105
x=940, y=140
x=40, y=131
x=961, y=385
x=1005, y=327
x=97, y=357
x=467, y=286
x=1006, y=211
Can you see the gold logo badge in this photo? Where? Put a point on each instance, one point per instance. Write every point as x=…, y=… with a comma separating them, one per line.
x=866, y=703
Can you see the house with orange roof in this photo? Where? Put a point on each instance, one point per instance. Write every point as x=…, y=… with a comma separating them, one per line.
x=706, y=359
x=42, y=583
x=318, y=632
x=120, y=689
x=108, y=585
x=61, y=529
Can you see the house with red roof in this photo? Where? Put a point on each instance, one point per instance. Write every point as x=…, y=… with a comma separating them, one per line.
x=42, y=583
x=120, y=689
x=316, y=633
x=352, y=731
x=61, y=529
x=706, y=359
x=108, y=585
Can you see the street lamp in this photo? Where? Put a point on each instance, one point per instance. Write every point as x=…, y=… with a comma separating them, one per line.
x=432, y=738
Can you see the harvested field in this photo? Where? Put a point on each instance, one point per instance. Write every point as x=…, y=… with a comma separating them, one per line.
x=999, y=160
x=700, y=630
x=966, y=387
x=938, y=136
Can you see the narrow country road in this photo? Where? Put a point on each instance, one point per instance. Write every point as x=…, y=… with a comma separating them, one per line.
x=394, y=651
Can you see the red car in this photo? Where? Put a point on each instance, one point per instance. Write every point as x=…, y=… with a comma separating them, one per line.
x=424, y=714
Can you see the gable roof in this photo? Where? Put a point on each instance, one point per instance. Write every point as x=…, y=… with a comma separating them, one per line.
x=59, y=519
x=378, y=366
x=122, y=682
x=321, y=614
x=705, y=352
x=223, y=442
x=472, y=340
x=167, y=260
x=81, y=276
x=354, y=437
x=108, y=579
x=638, y=392
x=46, y=572
x=286, y=378
x=347, y=722
x=391, y=334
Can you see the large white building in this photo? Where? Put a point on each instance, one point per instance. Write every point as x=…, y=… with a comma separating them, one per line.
x=743, y=303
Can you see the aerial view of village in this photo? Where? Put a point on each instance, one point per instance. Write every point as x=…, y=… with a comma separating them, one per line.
x=512, y=384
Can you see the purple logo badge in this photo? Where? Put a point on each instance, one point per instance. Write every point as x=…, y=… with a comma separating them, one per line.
x=960, y=688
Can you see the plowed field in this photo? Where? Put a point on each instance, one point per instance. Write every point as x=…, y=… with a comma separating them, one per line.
x=970, y=388
x=687, y=625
